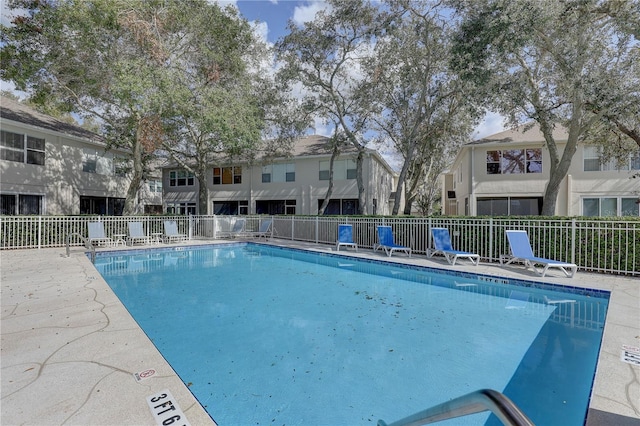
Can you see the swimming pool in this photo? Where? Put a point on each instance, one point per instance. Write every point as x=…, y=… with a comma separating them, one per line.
x=267, y=335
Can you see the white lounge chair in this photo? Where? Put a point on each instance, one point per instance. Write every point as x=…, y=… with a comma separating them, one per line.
x=264, y=230
x=97, y=235
x=521, y=251
x=442, y=244
x=171, y=233
x=236, y=230
x=387, y=243
x=345, y=237
x=136, y=234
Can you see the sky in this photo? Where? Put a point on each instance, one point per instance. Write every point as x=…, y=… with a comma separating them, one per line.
x=270, y=18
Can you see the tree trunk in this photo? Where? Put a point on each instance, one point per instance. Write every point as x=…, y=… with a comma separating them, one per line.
x=559, y=167
x=136, y=177
x=362, y=206
x=402, y=178
x=203, y=193
x=327, y=197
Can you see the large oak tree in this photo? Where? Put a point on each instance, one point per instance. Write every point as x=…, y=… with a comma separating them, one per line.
x=158, y=75
x=546, y=63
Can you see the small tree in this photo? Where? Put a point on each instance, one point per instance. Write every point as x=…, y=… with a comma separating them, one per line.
x=325, y=56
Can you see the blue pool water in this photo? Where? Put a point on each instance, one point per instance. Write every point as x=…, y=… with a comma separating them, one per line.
x=266, y=335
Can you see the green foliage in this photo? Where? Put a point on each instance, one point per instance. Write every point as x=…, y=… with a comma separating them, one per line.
x=569, y=64
x=158, y=74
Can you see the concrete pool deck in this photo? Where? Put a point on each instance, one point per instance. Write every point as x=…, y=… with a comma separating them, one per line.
x=70, y=350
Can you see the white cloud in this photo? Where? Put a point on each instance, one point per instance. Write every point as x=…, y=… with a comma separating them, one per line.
x=8, y=86
x=306, y=13
x=7, y=15
x=223, y=3
x=491, y=124
x=261, y=30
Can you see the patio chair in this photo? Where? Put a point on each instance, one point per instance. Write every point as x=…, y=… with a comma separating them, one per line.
x=171, y=232
x=387, y=243
x=264, y=230
x=442, y=244
x=136, y=234
x=97, y=235
x=236, y=230
x=345, y=237
x=521, y=251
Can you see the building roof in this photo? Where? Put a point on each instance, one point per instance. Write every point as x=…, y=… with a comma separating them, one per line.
x=524, y=133
x=21, y=113
x=316, y=145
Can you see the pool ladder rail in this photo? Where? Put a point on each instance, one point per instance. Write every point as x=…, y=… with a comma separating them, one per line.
x=86, y=242
x=471, y=403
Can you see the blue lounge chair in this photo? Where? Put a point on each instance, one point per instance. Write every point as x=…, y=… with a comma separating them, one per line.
x=97, y=235
x=345, y=237
x=386, y=242
x=521, y=251
x=136, y=234
x=442, y=244
x=171, y=232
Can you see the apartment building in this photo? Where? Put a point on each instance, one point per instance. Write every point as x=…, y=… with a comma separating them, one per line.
x=296, y=184
x=48, y=166
x=507, y=173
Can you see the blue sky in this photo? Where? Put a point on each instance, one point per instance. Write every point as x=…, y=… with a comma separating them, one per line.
x=273, y=16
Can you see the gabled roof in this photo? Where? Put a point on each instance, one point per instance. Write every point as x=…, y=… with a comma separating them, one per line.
x=21, y=113
x=317, y=145
x=519, y=135
x=311, y=145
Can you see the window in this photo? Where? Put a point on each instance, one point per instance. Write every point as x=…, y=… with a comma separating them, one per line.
x=340, y=207
x=94, y=162
x=89, y=161
x=181, y=178
x=509, y=206
x=155, y=186
x=11, y=204
x=13, y=148
x=279, y=173
x=227, y=175
x=342, y=169
x=593, y=161
x=270, y=207
x=243, y=207
x=120, y=166
x=514, y=161
x=102, y=205
x=181, y=208
x=290, y=207
x=231, y=207
x=610, y=206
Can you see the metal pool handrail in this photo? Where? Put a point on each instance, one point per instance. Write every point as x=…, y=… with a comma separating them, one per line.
x=86, y=242
x=471, y=403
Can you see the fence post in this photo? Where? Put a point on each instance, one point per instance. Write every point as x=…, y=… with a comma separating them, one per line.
x=491, y=232
x=317, y=230
x=429, y=226
x=573, y=241
x=190, y=226
x=39, y=232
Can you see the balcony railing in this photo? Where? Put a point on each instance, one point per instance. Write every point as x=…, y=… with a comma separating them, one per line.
x=607, y=246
